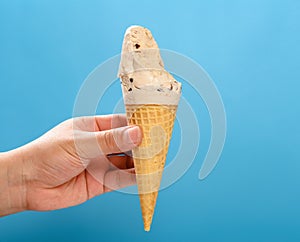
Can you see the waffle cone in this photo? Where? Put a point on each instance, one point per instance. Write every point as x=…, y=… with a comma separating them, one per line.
x=156, y=122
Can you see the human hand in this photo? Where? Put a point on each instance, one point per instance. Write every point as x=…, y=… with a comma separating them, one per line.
x=75, y=161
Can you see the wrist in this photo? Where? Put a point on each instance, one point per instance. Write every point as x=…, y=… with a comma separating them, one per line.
x=12, y=182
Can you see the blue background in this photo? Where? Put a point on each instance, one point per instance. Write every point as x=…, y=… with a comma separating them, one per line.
x=250, y=48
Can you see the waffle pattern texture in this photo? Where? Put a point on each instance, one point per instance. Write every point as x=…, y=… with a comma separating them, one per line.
x=156, y=122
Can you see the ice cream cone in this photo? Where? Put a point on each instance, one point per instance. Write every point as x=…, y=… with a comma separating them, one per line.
x=156, y=122
x=151, y=96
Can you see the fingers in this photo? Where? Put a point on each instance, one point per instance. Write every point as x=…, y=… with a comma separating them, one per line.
x=119, y=140
x=113, y=121
x=121, y=162
x=90, y=145
x=98, y=123
x=117, y=179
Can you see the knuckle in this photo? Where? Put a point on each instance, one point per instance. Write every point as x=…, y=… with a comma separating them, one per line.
x=108, y=141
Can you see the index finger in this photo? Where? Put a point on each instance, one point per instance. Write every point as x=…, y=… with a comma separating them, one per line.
x=100, y=122
x=111, y=121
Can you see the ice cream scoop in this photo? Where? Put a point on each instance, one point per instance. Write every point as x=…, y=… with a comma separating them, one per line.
x=142, y=71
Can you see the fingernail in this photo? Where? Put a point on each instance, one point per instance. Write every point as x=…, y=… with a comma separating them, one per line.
x=135, y=134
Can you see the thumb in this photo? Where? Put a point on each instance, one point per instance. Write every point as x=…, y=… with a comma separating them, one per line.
x=119, y=140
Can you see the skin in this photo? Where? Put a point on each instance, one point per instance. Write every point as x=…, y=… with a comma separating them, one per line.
x=77, y=160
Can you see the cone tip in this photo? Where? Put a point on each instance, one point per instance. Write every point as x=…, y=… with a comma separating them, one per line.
x=147, y=228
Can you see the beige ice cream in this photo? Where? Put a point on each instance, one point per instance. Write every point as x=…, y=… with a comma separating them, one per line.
x=151, y=96
x=142, y=71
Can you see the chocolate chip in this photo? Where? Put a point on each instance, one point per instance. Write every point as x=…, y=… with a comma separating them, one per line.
x=171, y=88
x=130, y=89
x=159, y=90
x=131, y=79
x=137, y=46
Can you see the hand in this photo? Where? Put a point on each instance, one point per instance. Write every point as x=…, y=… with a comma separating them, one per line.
x=74, y=162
